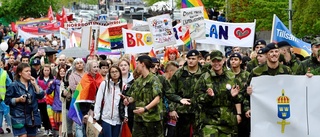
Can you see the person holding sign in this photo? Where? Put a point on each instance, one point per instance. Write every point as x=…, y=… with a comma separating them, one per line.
x=272, y=67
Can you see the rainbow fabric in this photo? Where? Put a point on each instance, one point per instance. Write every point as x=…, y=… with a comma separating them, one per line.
x=104, y=40
x=187, y=40
x=115, y=36
x=151, y=53
x=132, y=63
x=50, y=115
x=85, y=92
x=107, y=51
x=194, y=3
x=33, y=21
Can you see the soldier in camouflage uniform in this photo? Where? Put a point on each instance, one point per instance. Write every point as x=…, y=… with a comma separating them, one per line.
x=272, y=67
x=146, y=93
x=254, y=62
x=242, y=77
x=312, y=64
x=168, y=95
x=216, y=93
x=289, y=58
x=182, y=83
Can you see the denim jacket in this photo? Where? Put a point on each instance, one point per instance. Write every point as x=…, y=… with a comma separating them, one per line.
x=23, y=114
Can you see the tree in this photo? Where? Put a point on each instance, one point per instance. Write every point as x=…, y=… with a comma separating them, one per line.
x=305, y=18
x=14, y=9
x=260, y=10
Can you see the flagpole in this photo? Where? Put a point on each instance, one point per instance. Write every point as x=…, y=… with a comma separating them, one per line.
x=272, y=30
x=290, y=16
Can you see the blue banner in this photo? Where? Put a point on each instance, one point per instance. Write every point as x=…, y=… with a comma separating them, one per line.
x=281, y=33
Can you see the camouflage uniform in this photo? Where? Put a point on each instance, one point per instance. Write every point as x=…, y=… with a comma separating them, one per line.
x=144, y=90
x=244, y=126
x=293, y=64
x=311, y=62
x=216, y=114
x=265, y=70
x=252, y=64
x=182, y=83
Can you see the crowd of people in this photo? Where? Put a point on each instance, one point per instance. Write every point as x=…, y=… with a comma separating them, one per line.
x=186, y=94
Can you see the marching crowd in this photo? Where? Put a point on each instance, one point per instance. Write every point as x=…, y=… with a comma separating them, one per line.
x=185, y=95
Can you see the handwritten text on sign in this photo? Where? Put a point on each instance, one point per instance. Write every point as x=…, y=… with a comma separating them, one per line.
x=161, y=30
x=192, y=15
x=137, y=41
x=229, y=34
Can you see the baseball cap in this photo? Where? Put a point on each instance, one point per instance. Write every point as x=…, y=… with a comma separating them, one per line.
x=36, y=62
x=216, y=54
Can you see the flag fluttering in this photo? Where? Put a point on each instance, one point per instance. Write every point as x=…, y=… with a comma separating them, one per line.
x=151, y=53
x=132, y=63
x=194, y=3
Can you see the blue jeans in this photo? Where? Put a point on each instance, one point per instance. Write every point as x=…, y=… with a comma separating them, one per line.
x=79, y=130
x=8, y=119
x=110, y=130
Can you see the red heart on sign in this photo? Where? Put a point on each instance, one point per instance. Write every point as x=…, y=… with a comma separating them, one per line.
x=239, y=33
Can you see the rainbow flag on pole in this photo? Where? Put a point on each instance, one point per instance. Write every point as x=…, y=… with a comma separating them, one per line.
x=151, y=53
x=194, y=3
x=132, y=63
x=115, y=36
x=187, y=40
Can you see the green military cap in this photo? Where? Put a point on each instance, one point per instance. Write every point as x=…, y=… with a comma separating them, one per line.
x=263, y=50
x=216, y=54
x=315, y=41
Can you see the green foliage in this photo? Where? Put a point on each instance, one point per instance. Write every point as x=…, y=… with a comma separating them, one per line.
x=260, y=10
x=12, y=10
x=305, y=17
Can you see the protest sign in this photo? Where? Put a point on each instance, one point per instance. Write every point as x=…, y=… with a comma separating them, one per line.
x=26, y=35
x=89, y=37
x=285, y=106
x=229, y=34
x=115, y=35
x=281, y=33
x=93, y=129
x=161, y=30
x=82, y=24
x=178, y=34
x=193, y=19
x=65, y=38
x=136, y=41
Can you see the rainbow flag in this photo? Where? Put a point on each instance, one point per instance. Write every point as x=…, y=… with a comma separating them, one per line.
x=151, y=53
x=194, y=3
x=50, y=115
x=115, y=36
x=104, y=40
x=78, y=36
x=187, y=40
x=33, y=21
x=132, y=63
x=107, y=51
x=85, y=92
